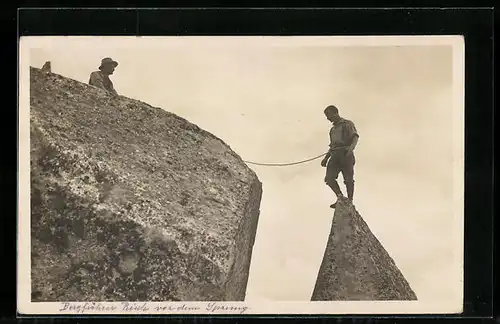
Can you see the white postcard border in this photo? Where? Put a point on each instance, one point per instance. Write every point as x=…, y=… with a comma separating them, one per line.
x=25, y=306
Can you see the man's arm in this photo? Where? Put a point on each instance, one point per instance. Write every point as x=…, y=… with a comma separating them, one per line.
x=354, y=142
x=327, y=155
x=324, y=161
x=352, y=134
x=113, y=91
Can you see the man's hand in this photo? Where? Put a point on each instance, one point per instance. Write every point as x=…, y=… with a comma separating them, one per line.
x=324, y=161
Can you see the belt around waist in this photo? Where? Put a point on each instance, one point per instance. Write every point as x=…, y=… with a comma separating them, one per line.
x=337, y=148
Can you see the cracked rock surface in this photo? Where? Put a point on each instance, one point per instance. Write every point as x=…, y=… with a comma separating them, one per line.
x=130, y=202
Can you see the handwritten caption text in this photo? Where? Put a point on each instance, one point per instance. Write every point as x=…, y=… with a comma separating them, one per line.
x=151, y=308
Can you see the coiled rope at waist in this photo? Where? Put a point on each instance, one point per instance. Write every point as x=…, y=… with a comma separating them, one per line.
x=294, y=163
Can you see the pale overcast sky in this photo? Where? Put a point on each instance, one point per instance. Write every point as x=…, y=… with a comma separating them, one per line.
x=266, y=101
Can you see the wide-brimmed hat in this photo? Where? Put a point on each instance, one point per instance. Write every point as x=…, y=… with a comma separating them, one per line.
x=106, y=61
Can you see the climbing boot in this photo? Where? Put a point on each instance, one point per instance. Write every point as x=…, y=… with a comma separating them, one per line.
x=339, y=196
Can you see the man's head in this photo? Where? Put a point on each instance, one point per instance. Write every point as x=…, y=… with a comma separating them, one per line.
x=332, y=113
x=108, y=65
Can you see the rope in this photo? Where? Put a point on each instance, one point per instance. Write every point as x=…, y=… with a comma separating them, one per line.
x=292, y=163
x=286, y=164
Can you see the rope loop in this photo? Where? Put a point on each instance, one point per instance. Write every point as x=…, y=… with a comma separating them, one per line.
x=285, y=164
x=294, y=163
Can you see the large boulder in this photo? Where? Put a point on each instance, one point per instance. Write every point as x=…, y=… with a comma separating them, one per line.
x=131, y=202
x=355, y=265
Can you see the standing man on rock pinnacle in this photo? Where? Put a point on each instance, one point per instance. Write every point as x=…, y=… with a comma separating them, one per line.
x=340, y=156
x=101, y=78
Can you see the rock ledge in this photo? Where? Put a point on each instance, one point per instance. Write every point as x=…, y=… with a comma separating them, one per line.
x=133, y=203
x=355, y=265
